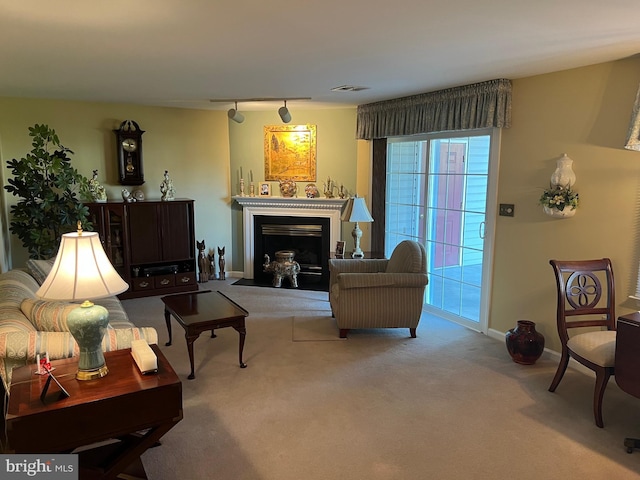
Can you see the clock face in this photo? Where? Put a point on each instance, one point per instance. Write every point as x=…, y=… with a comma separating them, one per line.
x=129, y=144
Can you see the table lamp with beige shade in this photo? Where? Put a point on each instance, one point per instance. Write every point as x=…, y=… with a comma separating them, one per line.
x=356, y=211
x=82, y=272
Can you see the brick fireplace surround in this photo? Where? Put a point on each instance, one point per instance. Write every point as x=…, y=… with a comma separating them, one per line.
x=330, y=208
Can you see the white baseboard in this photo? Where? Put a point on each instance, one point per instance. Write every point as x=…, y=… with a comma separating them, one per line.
x=547, y=353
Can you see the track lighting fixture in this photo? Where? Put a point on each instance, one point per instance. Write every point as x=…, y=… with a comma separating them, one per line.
x=235, y=115
x=284, y=113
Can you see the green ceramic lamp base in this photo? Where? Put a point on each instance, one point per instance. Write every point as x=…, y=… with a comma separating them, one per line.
x=88, y=324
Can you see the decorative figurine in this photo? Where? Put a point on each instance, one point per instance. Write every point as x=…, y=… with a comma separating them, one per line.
x=329, y=187
x=203, y=263
x=221, y=262
x=166, y=188
x=96, y=190
x=126, y=196
x=284, y=266
x=212, y=265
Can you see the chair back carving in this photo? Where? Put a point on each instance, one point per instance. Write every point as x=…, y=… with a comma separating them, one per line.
x=586, y=295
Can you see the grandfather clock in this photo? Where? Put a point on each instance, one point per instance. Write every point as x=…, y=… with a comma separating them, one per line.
x=129, y=148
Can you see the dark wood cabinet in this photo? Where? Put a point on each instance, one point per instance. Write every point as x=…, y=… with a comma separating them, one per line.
x=150, y=243
x=159, y=230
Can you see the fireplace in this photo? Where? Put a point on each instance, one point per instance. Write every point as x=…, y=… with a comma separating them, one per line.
x=308, y=237
x=304, y=215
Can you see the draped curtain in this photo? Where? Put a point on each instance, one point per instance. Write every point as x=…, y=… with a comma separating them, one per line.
x=480, y=105
x=633, y=135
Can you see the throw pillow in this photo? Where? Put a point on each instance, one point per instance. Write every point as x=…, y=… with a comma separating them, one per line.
x=39, y=269
x=47, y=316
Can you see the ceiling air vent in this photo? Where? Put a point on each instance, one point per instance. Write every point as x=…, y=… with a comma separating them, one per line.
x=348, y=88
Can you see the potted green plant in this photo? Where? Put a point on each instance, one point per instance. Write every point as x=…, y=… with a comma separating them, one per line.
x=49, y=191
x=558, y=201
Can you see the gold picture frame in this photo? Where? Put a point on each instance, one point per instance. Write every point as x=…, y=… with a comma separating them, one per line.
x=264, y=189
x=290, y=152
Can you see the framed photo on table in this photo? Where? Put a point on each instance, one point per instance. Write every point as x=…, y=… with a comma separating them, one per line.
x=339, y=249
x=264, y=189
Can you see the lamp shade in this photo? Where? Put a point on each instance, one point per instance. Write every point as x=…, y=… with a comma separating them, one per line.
x=81, y=271
x=356, y=211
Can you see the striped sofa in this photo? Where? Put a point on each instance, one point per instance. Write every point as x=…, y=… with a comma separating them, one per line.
x=29, y=326
x=379, y=293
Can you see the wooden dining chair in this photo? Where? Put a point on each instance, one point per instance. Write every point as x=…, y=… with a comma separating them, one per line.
x=586, y=299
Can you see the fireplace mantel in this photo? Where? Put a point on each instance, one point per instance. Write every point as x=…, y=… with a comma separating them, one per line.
x=291, y=207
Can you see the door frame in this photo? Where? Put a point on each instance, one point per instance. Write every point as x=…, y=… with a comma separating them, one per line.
x=491, y=207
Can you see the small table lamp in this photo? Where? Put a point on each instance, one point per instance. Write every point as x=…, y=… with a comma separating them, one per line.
x=356, y=211
x=82, y=272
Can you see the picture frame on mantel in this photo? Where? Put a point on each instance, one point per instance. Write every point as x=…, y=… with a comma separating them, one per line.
x=290, y=152
x=264, y=189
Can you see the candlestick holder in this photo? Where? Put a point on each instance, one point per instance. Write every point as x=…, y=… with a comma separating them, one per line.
x=252, y=190
x=242, y=187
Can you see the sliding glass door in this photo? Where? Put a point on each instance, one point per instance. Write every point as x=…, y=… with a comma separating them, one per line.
x=439, y=190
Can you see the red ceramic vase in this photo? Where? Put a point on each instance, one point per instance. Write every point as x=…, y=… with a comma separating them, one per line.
x=524, y=343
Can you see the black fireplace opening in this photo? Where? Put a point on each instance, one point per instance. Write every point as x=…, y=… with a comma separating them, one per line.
x=307, y=237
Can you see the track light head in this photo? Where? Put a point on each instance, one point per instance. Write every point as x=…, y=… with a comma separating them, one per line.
x=284, y=113
x=235, y=115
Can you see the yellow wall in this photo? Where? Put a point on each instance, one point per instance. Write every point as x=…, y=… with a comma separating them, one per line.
x=585, y=113
x=582, y=112
x=193, y=145
x=336, y=155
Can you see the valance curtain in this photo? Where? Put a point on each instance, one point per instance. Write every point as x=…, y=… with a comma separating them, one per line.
x=480, y=105
x=633, y=135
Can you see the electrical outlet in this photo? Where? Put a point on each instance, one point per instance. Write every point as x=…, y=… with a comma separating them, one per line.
x=507, y=209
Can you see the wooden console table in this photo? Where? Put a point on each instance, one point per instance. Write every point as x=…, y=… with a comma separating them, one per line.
x=132, y=409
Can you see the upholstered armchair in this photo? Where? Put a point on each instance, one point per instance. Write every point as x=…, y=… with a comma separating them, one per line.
x=379, y=293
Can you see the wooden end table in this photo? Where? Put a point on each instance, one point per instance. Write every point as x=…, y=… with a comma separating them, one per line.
x=201, y=311
x=133, y=409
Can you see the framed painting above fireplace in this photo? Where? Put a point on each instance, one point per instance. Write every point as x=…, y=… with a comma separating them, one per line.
x=290, y=152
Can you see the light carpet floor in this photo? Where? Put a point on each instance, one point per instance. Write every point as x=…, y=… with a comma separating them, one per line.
x=449, y=404
x=314, y=328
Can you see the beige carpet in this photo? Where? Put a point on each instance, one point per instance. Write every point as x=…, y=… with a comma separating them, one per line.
x=314, y=329
x=380, y=405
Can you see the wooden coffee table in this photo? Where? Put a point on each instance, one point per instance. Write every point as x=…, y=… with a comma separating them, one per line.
x=131, y=410
x=201, y=311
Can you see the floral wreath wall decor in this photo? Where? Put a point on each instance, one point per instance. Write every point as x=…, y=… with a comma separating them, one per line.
x=560, y=200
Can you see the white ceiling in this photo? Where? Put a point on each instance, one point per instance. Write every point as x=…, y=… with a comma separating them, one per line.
x=181, y=53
